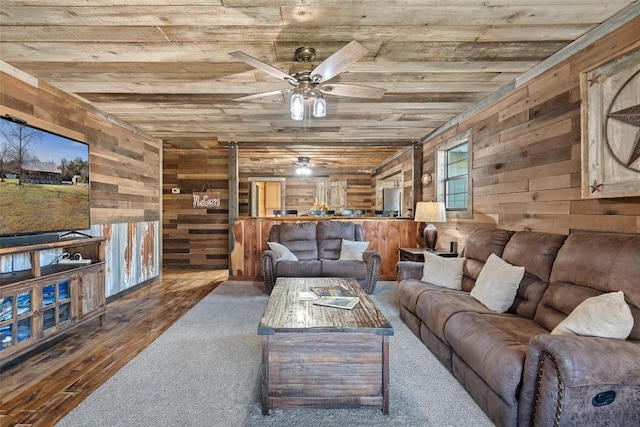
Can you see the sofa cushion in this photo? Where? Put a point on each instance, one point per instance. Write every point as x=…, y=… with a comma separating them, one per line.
x=497, y=284
x=494, y=346
x=535, y=252
x=308, y=268
x=589, y=264
x=330, y=235
x=470, y=272
x=481, y=243
x=435, y=308
x=558, y=301
x=282, y=252
x=409, y=290
x=606, y=316
x=342, y=268
x=300, y=238
x=443, y=272
x=352, y=251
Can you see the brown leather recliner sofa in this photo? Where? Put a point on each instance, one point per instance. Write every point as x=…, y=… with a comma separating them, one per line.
x=517, y=372
x=317, y=245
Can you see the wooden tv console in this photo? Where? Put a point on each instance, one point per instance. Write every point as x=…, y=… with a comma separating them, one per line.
x=39, y=304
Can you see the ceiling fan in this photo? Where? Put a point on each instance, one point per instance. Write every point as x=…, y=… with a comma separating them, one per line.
x=310, y=80
x=303, y=166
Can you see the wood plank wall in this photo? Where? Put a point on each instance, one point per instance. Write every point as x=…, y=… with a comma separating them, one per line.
x=124, y=163
x=195, y=236
x=199, y=237
x=299, y=192
x=124, y=166
x=527, y=156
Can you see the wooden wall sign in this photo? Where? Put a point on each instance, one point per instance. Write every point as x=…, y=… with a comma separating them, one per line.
x=206, y=199
x=611, y=127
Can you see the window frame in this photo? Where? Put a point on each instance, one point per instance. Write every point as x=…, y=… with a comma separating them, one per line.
x=441, y=175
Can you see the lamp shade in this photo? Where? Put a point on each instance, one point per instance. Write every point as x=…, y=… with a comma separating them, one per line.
x=430, y=212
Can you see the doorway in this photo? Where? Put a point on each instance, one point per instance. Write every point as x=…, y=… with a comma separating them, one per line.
x=267, y=195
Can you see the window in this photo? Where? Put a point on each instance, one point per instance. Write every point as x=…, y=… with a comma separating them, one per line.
x=453, y=182
x=456, y=172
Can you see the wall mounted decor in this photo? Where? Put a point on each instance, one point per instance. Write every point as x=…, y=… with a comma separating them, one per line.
x=427, y=178
x=206, y=199
x=611, y=127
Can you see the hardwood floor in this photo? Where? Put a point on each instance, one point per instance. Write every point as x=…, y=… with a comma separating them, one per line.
x=42, y=389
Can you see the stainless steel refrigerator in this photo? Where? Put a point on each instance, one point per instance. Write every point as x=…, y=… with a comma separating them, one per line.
x=392, y=200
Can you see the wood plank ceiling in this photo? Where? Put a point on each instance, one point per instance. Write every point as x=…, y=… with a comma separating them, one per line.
x=164, y=66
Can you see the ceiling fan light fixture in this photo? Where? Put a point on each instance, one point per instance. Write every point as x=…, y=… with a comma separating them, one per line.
x=303, y=170
x=309, y=80
x=319, y=106
x=297, y=106
x=303, y=166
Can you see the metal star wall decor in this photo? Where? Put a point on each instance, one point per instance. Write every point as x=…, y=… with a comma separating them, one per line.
x=594, y=80
x=610, y=119
x=596, y=187
x=630, y=116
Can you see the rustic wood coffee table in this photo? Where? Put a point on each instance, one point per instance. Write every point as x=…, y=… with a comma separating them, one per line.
x=323, y=357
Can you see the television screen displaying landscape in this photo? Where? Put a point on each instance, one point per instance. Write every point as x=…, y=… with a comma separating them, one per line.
x=44, y=181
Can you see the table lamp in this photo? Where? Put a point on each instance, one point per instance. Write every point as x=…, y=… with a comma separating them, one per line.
x=430, y=212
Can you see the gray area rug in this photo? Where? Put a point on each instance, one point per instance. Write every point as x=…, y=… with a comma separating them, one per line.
x=205, y=371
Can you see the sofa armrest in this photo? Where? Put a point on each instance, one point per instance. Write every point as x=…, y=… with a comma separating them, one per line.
x=370, y=256
x=372, y=259
x=409, y=270
x=568, y=380
x=269, y=259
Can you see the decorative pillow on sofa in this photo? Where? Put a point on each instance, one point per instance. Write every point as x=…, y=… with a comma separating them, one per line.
x=497, y=284
x=282, y=251
x=607, y=316
x=444, y=272
x=352, y=250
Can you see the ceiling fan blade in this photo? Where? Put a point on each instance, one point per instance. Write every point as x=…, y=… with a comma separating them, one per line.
x=338, y=62
x=353, y=91
x=262, y=66
x=262, y=94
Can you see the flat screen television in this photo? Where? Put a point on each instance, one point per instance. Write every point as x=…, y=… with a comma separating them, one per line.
x=44, y=183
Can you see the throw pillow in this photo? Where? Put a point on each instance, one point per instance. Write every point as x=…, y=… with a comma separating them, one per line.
x=444, y=272
x=352, y=250
x=497, y=284
x=607, y=316
x=282, y=251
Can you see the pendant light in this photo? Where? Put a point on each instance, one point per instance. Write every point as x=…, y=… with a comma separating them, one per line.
x=297, y=106
x=319, y=106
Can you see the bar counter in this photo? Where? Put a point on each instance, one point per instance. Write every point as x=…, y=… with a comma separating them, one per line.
x=384, y=234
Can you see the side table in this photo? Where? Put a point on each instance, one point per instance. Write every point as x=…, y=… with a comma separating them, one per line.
x=417, y=254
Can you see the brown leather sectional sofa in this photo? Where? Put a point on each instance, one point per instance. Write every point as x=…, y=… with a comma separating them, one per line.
x=317, y=246
x=516, y=371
